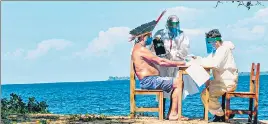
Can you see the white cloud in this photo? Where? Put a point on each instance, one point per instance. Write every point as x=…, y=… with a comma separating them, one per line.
x=105, y=43
x=248, y=34
x=254, y=49
x=260, y=17
x=107, y=40
x=258, y=29
x=16, y=54
x=46, y=45
x=184, y=13
x=194, y=32
x=114, y=41
x=252, y=28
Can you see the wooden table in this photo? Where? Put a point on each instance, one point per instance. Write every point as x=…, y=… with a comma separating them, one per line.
x=182, y=71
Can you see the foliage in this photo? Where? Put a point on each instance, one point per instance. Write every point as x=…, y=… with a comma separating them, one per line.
x=16, y=107
x=87, y=118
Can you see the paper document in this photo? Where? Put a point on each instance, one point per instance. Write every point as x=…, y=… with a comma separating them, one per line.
x=190, y=88
x=207, y=61
x=198, y=73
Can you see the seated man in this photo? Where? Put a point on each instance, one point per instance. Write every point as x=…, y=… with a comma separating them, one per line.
x=148, y=74
x=224, y=70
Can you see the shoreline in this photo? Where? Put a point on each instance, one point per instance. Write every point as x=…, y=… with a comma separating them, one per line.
x=103, y=119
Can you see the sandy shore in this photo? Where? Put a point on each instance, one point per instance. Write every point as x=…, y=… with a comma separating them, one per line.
x=101, y=119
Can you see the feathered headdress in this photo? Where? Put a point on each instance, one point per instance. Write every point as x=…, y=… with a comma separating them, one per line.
x=145, y=29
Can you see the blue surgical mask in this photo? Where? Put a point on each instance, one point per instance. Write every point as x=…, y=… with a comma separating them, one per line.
x=211, y=48
x=149, y=41
x=174, y=31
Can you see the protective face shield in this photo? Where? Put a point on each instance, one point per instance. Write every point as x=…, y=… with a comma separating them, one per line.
x=173, y=25
x=211, y=45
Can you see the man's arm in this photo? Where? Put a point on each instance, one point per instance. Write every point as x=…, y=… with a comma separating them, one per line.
x=147, y=55
x=219, y=57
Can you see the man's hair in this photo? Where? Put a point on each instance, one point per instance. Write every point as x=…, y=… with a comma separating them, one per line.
x=213, y=34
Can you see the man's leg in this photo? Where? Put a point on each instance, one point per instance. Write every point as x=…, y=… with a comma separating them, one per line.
x=173, y=110
x=168, y=84
x=215, y=91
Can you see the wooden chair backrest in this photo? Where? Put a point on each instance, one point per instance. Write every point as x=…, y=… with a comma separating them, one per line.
x=255, y=78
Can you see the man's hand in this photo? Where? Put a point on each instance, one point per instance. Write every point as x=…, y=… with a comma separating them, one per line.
x=181, y=63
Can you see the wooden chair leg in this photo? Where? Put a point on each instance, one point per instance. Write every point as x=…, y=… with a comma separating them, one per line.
x=223, y=102
x=250, y=109
x=227, y=109
x=132, y=106
x=160, y=106
x=255, y=118
x=255, y=113
x=206, y=104
x=157, y=97
x=164, y=107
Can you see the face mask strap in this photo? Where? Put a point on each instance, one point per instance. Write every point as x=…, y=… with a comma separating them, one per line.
x=213, y=39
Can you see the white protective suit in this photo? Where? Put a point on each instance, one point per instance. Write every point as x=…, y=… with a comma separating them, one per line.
x=225, y=75
x=176, y=50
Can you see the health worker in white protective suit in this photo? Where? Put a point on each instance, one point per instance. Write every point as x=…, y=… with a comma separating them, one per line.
x=225, y=72
x=172, y=43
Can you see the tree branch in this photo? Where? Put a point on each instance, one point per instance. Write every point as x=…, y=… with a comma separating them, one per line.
x=248, y=4
x=218, y=4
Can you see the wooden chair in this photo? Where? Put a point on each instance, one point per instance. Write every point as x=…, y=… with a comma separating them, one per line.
x=134, y=92
x=252, y=94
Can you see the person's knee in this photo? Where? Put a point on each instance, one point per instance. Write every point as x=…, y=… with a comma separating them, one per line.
x=176, y=83
x=203, y=94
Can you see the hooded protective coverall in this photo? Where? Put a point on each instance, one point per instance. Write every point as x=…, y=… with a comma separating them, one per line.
x=225, y=75
x=176, y=49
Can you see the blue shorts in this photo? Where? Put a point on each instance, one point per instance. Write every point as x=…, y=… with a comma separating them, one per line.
x=157, y=83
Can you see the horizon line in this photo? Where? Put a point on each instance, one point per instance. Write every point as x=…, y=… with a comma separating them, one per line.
x=55, y=82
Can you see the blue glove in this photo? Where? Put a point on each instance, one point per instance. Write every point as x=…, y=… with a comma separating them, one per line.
x=211, y=77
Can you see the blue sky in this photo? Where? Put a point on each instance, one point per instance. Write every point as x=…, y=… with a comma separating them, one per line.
x=87, y=41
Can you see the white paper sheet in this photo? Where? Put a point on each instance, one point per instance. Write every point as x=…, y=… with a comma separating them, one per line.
x=198, y=73
x=190, y=87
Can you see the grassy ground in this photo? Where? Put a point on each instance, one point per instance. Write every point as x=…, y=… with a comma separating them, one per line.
x=102, y=119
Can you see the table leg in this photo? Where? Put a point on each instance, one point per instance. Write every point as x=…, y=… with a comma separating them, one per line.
x=206, y=104
x=180, y=95
x=207, y=99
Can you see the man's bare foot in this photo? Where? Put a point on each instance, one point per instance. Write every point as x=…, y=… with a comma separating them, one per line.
x=173, y=117
x=183, y=118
